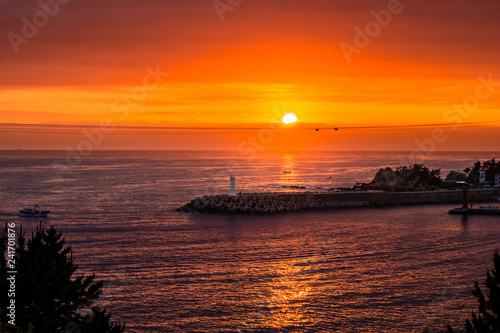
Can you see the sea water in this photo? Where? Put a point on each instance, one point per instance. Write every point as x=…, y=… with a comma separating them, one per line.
x=393, y=269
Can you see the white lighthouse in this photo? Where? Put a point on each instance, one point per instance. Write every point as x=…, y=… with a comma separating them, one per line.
x=233, y=186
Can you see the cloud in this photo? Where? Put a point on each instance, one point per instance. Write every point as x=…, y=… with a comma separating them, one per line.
x=28, y=114
x=110, y=42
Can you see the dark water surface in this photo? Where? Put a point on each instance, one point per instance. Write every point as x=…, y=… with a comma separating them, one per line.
x=395, y=269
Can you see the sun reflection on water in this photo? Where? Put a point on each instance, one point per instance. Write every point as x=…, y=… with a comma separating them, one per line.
x=288, y=168
x=284, y=298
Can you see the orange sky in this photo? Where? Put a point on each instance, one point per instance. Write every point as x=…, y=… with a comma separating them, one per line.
x=93, y=61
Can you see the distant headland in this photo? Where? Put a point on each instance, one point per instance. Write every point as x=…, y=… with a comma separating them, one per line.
x=415, y=184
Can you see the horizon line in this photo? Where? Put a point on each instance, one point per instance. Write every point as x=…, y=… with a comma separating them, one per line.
x=264, y=151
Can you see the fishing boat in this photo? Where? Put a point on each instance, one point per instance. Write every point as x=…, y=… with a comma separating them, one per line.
x=34, y=212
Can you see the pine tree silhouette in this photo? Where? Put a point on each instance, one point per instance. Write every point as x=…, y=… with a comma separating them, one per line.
x=48, y=297
x=487, y=320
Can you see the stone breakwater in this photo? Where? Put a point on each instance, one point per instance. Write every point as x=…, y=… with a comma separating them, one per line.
x=259, y=204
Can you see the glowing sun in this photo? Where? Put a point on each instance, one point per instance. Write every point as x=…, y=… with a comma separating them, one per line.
x=289, y=118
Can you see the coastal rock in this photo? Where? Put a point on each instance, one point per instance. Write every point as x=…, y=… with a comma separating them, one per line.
x=387, y=179
x=413, y=178
x=456, y=176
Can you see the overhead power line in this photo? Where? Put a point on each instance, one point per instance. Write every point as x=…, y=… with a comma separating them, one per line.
x=68, y=129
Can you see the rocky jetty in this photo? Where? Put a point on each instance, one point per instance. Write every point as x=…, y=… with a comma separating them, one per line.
x=257, y=204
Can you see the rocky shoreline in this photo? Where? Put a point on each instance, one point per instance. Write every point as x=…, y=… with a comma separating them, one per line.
x=258, y=204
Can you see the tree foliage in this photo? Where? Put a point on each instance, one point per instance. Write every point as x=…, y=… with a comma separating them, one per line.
x=49, y=298
x=492, y=167
x=420, y=172
x=415, y=177
x=487, y=319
